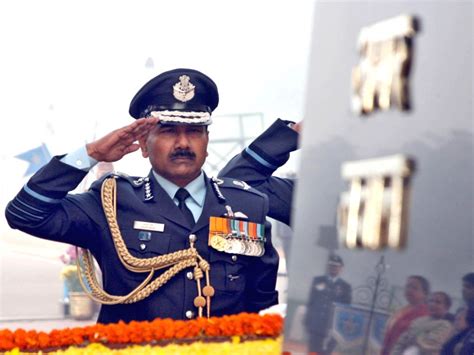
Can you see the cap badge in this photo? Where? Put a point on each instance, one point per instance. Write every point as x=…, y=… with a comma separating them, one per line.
x=184, y=89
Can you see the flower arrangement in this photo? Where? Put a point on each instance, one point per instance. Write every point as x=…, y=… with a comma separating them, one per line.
x=71, y=279
x=236, y=346
x=155, y=334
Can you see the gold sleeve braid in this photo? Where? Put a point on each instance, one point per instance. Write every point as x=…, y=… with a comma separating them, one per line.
x=176, y=262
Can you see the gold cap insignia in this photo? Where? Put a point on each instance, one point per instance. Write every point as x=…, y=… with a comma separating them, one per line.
x=184, y=89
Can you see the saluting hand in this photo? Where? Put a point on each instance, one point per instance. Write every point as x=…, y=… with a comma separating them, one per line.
x=122, y=141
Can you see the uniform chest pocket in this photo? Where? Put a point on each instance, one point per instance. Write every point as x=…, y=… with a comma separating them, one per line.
x=228, y=272
x=146, y=244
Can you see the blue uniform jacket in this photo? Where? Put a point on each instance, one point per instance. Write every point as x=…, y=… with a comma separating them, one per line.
x=256, y=164
x=44, y=208
x=323, y=294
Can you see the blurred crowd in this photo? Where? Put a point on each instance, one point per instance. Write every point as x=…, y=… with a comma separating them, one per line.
x=427, y=326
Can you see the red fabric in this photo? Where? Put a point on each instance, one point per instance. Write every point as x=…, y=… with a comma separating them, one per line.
x=399, y=322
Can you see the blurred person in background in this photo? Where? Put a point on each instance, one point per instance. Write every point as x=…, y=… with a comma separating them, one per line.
x=462, y=343
x=325, y=291
x=417, y=289
x=426, y=335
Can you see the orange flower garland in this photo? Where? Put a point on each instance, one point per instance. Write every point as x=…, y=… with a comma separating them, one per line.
x=159, y=330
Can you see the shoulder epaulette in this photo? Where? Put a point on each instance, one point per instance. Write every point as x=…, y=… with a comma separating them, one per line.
x=225, y=182
x=135, y=181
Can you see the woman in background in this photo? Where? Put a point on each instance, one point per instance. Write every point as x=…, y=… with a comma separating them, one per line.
x=417, y=289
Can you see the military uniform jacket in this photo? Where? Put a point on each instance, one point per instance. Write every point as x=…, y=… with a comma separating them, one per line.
x=323, y=294
x=44, y=208
x=256, y=164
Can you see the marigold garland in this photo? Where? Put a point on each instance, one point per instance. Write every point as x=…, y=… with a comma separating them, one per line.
x=261, y=347
x=154, y=332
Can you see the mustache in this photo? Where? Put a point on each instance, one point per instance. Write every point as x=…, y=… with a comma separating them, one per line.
x=182, y=153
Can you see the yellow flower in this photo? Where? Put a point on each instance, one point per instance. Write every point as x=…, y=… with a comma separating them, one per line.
x=68, y=271
x=264, y=347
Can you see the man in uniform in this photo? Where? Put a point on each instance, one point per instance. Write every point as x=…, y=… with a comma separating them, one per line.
x=325, y=290
x=151, y=235
x=256, y=164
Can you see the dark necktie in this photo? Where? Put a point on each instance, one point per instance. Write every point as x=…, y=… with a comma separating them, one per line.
x=181, y=195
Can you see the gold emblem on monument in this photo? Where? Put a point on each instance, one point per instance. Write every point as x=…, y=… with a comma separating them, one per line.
x=373, y=213
x=381, y=79
x=184, y=89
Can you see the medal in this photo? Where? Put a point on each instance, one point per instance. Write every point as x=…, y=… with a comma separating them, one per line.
x=235, y=236
x=253, y=248
x=218, y=242
x=233, y=246
x=261, y=249
x=240, y=247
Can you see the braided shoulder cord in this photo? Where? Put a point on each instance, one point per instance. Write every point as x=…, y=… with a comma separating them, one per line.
x=93, y=288
x=144, y=290
x=108, y=195
x=180, y=260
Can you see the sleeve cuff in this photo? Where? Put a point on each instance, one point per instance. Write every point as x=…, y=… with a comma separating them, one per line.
x=79, y=159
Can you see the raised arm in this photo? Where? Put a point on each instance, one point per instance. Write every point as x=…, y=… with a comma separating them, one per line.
x=256, y=164
x=44, y=208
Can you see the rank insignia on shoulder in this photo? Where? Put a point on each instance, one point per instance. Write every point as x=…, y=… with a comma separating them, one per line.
x=234, y=236
x=148, y=192
x=136, y=182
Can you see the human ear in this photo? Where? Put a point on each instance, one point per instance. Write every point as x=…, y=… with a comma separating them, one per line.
x=143, y=147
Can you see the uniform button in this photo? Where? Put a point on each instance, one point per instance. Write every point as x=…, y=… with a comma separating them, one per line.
x=192, y=238
x=142, y=246
x=189, y=275
x=189, y=314
x=234, y=257
x=79, y=162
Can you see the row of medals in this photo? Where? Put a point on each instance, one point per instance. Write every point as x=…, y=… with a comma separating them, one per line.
x=237, y=245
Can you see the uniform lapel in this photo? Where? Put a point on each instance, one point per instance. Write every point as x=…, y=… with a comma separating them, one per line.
x=164, y=205
x=212, y=207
